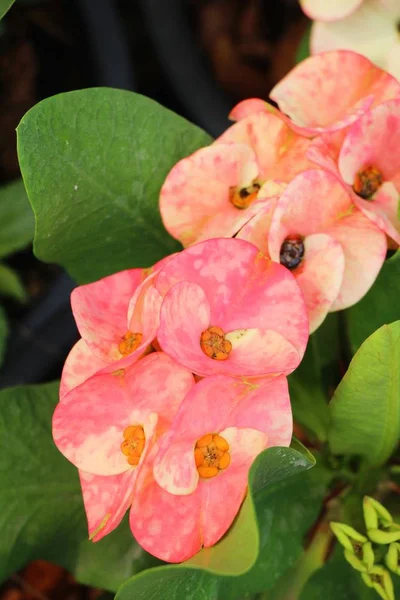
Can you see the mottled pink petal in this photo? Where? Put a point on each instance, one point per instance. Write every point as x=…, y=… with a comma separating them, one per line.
x=382, y=210
x=331, y=90
x=364, y=247
x=244, y=291
x=80, y=364
x=91, y=439
x=373, y=141
x=320, y=275
x=250, y=106
x=195, y=198
x=280, y=153
x=106, y=500
x=100, y=311
x=222, y=496
x=256, y=231
x=329, y=10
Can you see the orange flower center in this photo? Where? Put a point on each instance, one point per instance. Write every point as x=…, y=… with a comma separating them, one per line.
x=214, y=344
x=243, y=197
x=133, y=444
x=211, y=455
x=129, y=343
x=367, y=182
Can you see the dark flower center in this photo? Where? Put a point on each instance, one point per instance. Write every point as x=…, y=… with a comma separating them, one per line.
x=292, y=252
x=367, y=182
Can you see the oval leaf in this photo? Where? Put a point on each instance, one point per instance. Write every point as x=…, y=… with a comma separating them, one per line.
x=365, y=409
x=16, y=218
x=93, y=162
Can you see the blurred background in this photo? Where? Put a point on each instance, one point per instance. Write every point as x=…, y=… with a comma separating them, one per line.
x=196, y=57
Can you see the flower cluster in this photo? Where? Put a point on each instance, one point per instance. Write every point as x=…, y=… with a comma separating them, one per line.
x=179, y=379
x=370, y=27
x=315, y=187
x=176, y=385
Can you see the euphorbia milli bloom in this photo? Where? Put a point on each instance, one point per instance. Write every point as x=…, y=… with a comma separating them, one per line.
x=107, y=425
x=112, y=336
x=314, y=230
x=368, y=161
x=326, y=92
x=194, y=480
x=213, y=192
x=353, y=32
x=228, y=309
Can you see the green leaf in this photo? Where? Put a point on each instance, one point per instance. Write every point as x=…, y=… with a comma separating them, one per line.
x=5, y=6
x=10, y=284
x=3, y=333
x=93, y=162
x=16, y=218
x=303, y=51
x=41, y=510
x=379, y=307
x=286, y=500
x=365, y=410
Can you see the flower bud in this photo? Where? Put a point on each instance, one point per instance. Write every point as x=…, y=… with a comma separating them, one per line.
x=363, y=560
x=375, y=514
x=379, y=579
x=392, y=558
x=347, y=536
x=384, y=537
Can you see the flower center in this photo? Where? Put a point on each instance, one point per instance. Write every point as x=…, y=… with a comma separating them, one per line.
x=243, y=197
x=214, y=344
x=133, y=444
x=292, y=252
x=129, y=343
x=367, y=182
x=211, y=455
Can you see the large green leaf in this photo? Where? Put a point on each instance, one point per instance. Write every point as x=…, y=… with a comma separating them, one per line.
x=41, y=511
x=379, y=307
x=365, y=410
x=287, y=501
x=93, y=162
x=16, y=218
x=3, y=333
x=5, y=6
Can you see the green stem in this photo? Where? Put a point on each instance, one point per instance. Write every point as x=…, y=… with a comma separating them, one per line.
x=291, y=584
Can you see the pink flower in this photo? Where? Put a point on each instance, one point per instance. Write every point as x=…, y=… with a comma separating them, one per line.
x=213, y=192
x=229, y=310
x=367, y=159
x=194, y=481
x=332, y=249
x=106, y=427
x=329, y=91
x=329, y=10
x=111, y=338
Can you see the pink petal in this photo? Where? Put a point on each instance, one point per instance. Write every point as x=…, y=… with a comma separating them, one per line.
x=373, y=141
x=320, y=275
x=248, y=107
x=364, y=247
x=218, y=512
x=100, y=311
x=81, y=364
x=383, y=210
x=165, y=525
x=257, y=229
x=332, y=90
x=329, y=10
x=260, y=404
x=244, y=291
x=91, y=439
x=195, y=198
x=106, y=500
x=280, y=153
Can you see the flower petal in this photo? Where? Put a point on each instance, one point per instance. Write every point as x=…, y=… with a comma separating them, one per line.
x=329, y=10
x=250, y=106
x=257, y=229
x=364, y=247
x=331, y=90
x=79, y=366
x=91, y=439
x=100, y=311
x=195, y=198
x=106, y=500
x=383, y=210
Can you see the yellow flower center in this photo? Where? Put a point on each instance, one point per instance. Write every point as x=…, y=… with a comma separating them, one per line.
x=211, y=455
x=214, y=344
x=133, y=444
x=129, y=343
x=367, y=182
x=243, y=197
